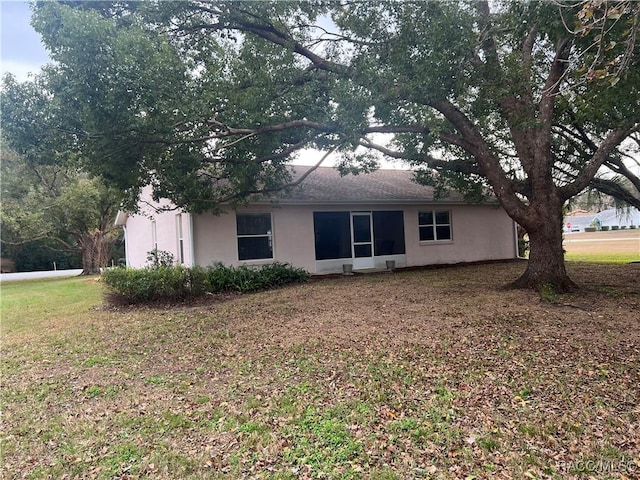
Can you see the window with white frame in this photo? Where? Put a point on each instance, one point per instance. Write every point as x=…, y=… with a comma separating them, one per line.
x=255, y=236
x=434, y=225
x=180, y=238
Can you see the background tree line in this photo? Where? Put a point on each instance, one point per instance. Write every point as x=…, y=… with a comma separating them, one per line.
x=54, y=216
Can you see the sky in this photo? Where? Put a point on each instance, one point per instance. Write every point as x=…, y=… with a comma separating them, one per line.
x=21, y=51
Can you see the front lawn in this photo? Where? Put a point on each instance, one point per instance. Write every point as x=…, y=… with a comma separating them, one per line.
x=603, y=257
x=416, y=374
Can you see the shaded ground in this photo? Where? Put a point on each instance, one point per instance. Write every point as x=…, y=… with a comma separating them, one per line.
x=421, y=374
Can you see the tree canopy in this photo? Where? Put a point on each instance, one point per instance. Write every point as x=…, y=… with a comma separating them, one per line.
x=207, y=101
x=57, y=208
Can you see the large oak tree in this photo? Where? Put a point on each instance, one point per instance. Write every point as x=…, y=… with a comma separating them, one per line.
x=208, y=100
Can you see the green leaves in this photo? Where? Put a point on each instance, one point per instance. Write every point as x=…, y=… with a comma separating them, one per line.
x=177, y=283
x=73, y=212
x=119, y=84
x=208, y=101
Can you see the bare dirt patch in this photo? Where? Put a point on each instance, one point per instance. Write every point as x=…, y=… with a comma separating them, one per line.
x=417, y=374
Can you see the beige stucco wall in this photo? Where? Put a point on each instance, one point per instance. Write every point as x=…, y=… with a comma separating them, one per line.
x=215, y=236
x=479, y=233
x=139, y=237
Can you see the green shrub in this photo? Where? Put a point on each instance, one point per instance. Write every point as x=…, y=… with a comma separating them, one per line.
x=150, y=284
x=159, y=258
x=615, y=227
x=277, y=274
x=197, y=281
x=632, y=227
x=605, y=228
x=222, y=278
x=179, y=283
x=589, y=229
x=523, y=247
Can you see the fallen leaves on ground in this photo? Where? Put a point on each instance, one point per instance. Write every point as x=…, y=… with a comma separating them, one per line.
x=436, y=373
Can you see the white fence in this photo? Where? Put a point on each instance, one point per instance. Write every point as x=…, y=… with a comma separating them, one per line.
x=11, y=277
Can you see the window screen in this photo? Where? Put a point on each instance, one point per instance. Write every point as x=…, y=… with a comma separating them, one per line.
x=332, y=235
x=388, y=233
x=255, y=237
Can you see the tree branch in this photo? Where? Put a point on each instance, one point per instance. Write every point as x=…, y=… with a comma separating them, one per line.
x=552, y=85
x=611, y=141
x=486, y=39
x=619, y=167
x=488, y=163
x=226, y=131
x=613, y=188
x=527, y=49
x=295, y=183
x=272, y=34
x=613, y=163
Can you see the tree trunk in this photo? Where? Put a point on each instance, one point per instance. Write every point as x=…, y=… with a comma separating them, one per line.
x=546, y=267
x=95, y=252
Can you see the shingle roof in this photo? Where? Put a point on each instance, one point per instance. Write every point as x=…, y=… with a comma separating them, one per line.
x=325, y=185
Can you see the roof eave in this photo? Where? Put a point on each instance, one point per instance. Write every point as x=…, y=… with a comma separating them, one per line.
x=121, y=218
x=372, y=201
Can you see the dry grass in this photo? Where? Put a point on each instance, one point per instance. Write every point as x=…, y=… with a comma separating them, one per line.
x=616, y=246
x=417, y=374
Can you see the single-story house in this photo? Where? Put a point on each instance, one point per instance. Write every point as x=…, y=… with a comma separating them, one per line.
x=611, y=217
x=328, y=222
x=578, y=222
x=625, y=217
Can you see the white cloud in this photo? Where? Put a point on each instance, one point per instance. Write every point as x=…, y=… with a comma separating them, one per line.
x=19, y=69
x=21, y=51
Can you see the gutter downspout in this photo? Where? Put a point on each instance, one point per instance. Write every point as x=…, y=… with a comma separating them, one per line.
x=192, y=260
x=515, y=236
x=126, y=246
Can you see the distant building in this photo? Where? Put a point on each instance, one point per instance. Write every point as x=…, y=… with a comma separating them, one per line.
x=621, y=218
x=578, y=220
